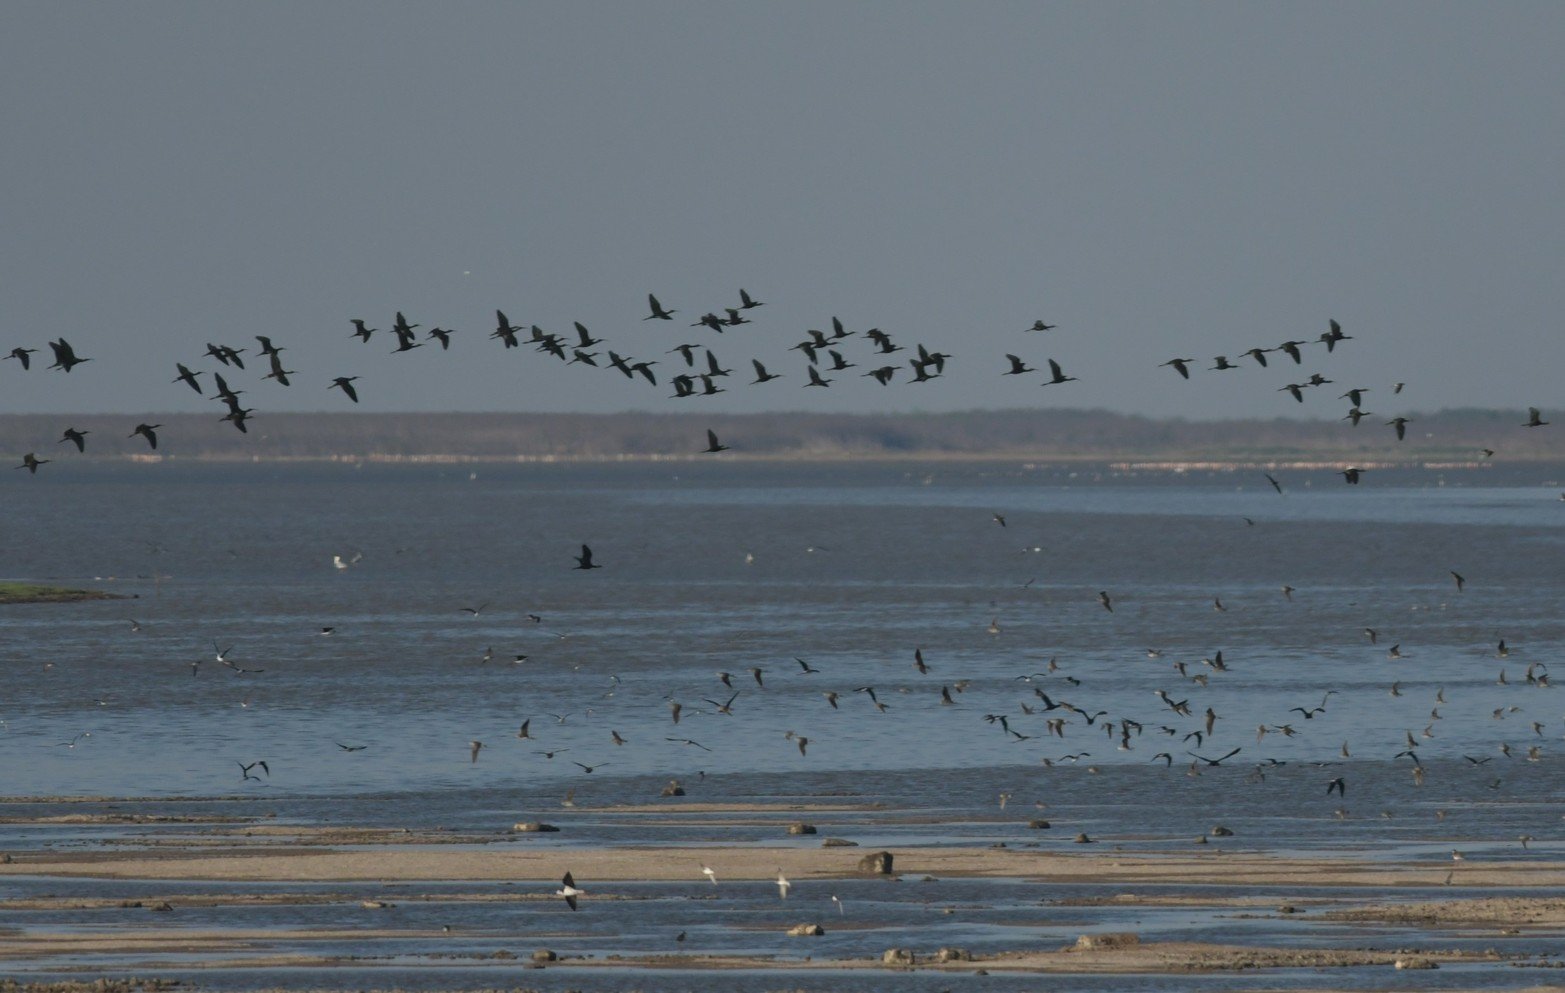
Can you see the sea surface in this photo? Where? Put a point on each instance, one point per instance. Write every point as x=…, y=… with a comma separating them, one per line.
x=735, y=567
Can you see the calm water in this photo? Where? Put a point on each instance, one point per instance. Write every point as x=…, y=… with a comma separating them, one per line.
x=721, y=567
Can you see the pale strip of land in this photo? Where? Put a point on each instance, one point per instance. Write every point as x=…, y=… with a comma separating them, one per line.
x=526, y=862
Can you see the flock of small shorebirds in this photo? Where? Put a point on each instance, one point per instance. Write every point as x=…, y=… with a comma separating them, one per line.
x=826, y=354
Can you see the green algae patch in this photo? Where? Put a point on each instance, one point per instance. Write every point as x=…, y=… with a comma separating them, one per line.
x=12, y=592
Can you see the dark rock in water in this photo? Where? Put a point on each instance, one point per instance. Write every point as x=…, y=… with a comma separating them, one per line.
x=1082, y=839
x=1416, y=963
x=806, y=931
x=799, y=827
x=877, y=862
x=1038, y=825
x=163, y=907
x=533, y=827
x=1287, y=908
x=1202, y=840
x=545, y=955
x=1221, y=832
x=897, y=956
x=953, y=955
x=839, y=843
x=673, y=789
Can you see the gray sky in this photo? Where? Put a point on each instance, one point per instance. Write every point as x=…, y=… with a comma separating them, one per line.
x=1159, y=180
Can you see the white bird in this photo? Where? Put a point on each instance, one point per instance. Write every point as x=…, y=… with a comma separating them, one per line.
x=839, y=904
x=337, y=561
x=709, y=873
x=569, y=891
x=782, y=884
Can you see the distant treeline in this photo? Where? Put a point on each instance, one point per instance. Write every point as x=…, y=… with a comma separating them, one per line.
x=1048, y=434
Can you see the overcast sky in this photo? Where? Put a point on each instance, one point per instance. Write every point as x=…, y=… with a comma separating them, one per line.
x=1158, y=180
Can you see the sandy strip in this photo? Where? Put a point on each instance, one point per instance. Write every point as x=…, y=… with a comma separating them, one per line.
x=525, y=863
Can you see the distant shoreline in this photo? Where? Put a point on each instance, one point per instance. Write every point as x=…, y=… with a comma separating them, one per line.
x=1448, y=438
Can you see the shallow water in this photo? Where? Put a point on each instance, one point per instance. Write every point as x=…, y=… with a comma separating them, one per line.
x=720, y=566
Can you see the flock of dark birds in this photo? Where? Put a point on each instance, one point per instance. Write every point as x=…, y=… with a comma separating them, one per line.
x=699, y=370
x=874, y=354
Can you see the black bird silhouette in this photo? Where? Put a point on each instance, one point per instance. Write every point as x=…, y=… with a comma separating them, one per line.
x=1259, y=355
x=658, y=313
x=443, y=335
x=712, y=445
x=21, y=355
x=1275, y=485
x=1017, y=366
x=278, y=372
x=1291, y=349
x=746, y=302
x=761, y=375
x=1181, y=366
x=360, y=331
x=31, y=462
x=1057, y=376
x=187, y=377
x=146, y=431
x=1461, y=582
x=267, y=348
x=1040, y=326
x=1351, y=475
x=1216, y=761
x=1534, y=418
x=75, y=437
x=65, y=357
x=1338, y=784
x=1400, y=423
x=1355, y=396
x=584, y=560
x=815, y=379
x=504, y=330
x=345, y=384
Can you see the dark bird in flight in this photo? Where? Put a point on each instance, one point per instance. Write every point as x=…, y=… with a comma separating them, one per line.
x=815, y=379
x=1461, y=582
x=761, y=375
x=1295, y=389
x=746, y=302
x=278, y=372
x=146, y=431
x=1400, y=423
x=584, y=560
x=65, y=357
x=21, y=355
x=267, y=348
x=1355, y=395
x=244, y=770
x=345, y=384
x=1040, y=326
x=187, y=377
x=712, y=444
x=1103, y=598
x=1058, y=376
x=1017, y=366
x=75, y=437
x=1333, y=335
x=1222, y=364
x=1338, y=784
x=688, y=351
x=1355, y=415
x=1534, y=418
x=1351, y=475
x=443, y=335
x=1291, y=349
x=360, y=331
x=1216, y=761
x=504, y=330
x=1275, y=485
x=31, y=462
x=658, y=313
x=1181, y=366
x=1259, y=355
